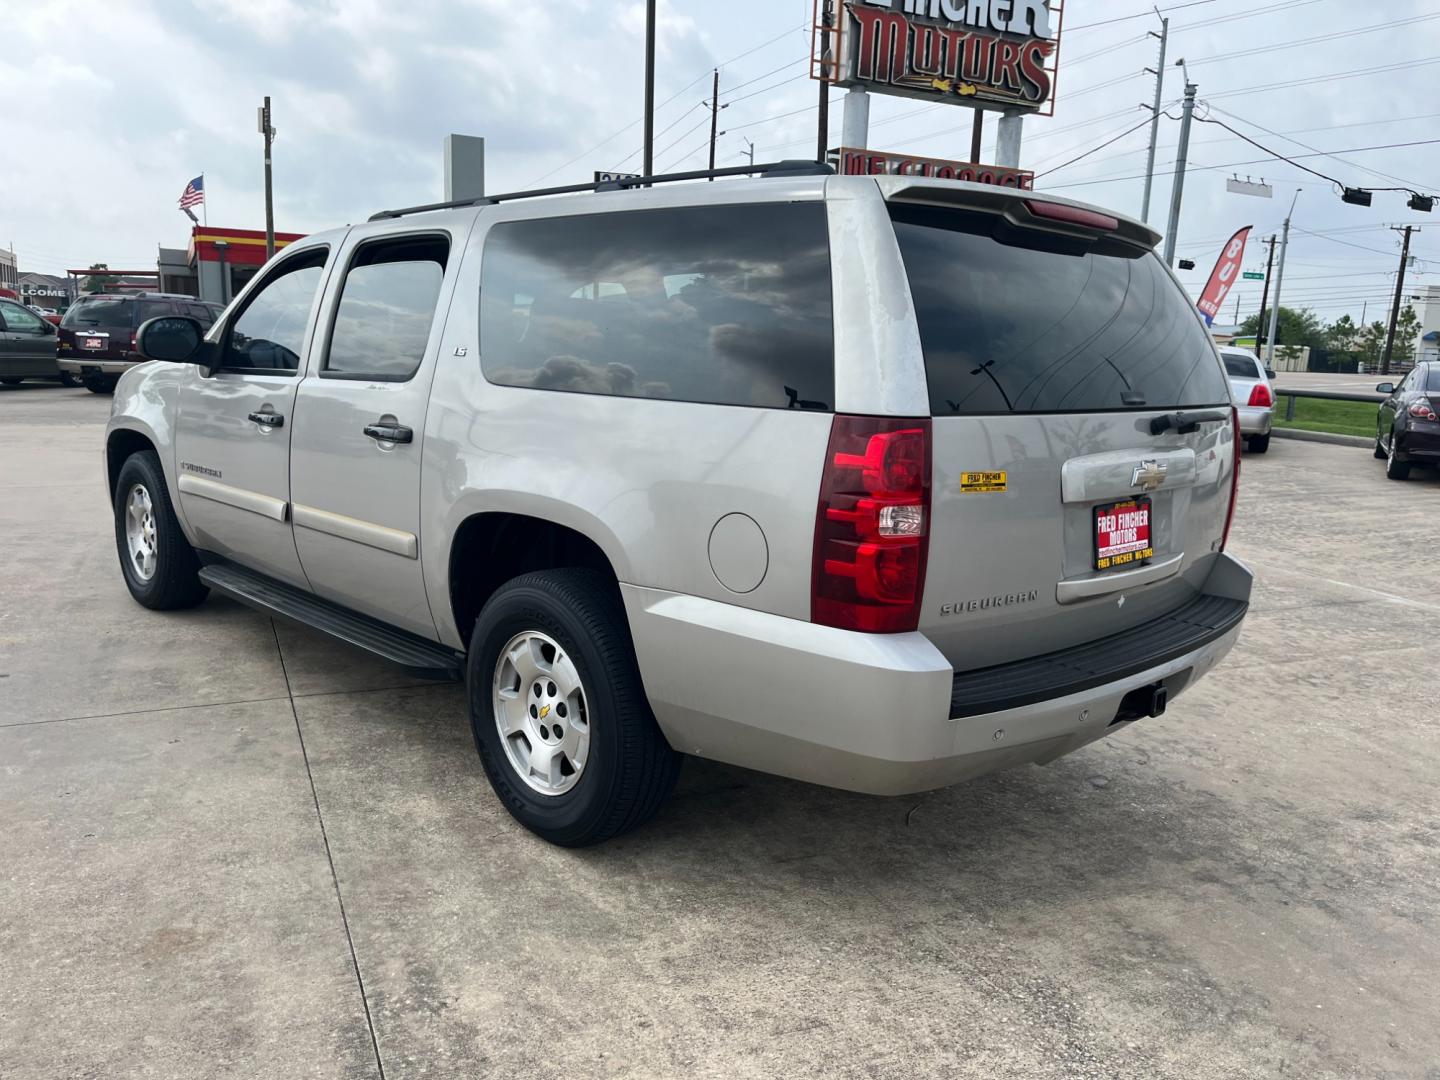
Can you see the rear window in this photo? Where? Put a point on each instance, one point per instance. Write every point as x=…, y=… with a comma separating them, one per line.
x=1012, y=329
x=720, y=304
x=1242, y=367
x=100, y=312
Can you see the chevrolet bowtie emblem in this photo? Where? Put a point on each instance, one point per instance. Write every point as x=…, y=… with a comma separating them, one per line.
x=544, y=711
x=1148, y=475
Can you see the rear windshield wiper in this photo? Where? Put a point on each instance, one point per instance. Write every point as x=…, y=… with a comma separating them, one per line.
x=1187, y=423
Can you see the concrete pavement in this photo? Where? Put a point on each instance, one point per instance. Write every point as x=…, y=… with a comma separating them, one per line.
x=235, y=849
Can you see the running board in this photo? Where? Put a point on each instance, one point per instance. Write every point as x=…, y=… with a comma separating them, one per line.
x=421, y=658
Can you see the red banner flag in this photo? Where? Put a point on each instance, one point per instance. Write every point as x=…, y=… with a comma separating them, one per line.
x=1227, y=269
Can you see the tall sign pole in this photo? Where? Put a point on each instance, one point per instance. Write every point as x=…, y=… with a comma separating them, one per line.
x=1395, y=308
x=1164, y=37
x=827, y=58
x=649, y=168
x=1177, y=191
x=268, y=130
x=714, y=118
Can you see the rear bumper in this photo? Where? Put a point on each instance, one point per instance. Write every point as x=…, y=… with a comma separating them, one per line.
x=879, y=713
x=1255, y=421
x=1420, y=442
x=79, y=365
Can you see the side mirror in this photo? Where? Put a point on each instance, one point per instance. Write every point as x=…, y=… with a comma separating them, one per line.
x=1385, y=388
x=1270, y=373
x=175, y=338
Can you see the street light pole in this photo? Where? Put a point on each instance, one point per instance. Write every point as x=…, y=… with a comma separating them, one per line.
x=650, y=87
x=1177, y=191
x=1164, y=37
x=1279, y=280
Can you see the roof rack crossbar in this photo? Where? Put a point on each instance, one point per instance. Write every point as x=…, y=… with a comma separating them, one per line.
x=776, y=168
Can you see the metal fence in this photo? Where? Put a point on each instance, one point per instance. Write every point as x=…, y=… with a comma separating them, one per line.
x=1324, y=395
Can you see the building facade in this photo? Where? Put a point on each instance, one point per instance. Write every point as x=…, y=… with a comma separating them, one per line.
x=222, y=261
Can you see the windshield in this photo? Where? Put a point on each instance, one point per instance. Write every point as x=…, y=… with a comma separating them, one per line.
x=100, y=312
x=1026, y=329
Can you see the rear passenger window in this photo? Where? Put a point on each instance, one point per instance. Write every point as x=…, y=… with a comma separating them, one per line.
x=387, y=304
x=722, y=304
x=1242, y=367
x=1009, y=324
x=153, y=309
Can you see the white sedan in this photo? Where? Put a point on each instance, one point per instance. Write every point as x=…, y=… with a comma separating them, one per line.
x=1254, y=396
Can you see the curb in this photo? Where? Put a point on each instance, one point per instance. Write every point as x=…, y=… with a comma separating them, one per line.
x=1323, y=437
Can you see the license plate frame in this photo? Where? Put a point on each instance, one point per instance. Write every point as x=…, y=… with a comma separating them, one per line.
x=1112, y=547
x=94, y=341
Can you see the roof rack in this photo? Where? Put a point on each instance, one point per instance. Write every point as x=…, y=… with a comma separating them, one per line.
x=777, y=168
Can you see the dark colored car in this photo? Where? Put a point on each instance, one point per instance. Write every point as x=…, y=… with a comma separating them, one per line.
x=27, y=345
x=1408, y=428
x=97, y=334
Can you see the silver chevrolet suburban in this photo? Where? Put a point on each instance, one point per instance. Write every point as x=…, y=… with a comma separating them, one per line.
x=880, y=483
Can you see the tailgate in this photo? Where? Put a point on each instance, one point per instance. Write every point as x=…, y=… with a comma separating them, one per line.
x=1083, y=442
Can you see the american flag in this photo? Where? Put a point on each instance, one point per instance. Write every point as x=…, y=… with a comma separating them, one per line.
x=194, y=193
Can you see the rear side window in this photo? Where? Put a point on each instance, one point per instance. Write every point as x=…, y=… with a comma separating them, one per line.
x=387, y=304
x=100, y=312
x=1242, y=367
x=721, y=304
x=1024, y=329
x=153, y=309
x=1433, y=386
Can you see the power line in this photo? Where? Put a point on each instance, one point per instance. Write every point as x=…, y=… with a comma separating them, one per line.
x=1331, y=77
x=1138, y=15
x=1102, y=146
x=1313, y=40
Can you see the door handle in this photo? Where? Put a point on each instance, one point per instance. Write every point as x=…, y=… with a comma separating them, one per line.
x=391, y=433
x=268, y=419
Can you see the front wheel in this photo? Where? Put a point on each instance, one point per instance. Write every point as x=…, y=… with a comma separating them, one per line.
x=1380, y=454
x=559, y=713
x=71, y=380
x=160, y=567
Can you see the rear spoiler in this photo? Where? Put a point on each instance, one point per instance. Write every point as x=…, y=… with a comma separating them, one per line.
x=1061, y=216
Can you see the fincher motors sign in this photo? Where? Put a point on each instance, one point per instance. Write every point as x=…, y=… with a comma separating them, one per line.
x=996, y=54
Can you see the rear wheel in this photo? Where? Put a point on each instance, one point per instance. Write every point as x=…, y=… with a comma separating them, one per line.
x=1380, y=454
x=1395, y=469
x=1258, y=444
x=160, y=567
x=101, y=384
x=559, y=713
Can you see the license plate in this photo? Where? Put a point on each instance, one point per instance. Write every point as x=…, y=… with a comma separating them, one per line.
x=1122, y=533
x=92, y=343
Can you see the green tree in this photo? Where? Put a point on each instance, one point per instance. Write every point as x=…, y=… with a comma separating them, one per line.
x=1372, y=343
x=95, y=283
x=1344, y=335
x=1302, y=327
x=1407, y=329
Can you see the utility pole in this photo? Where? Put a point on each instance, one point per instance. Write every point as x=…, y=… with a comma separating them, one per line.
x=649, y=166
x=977, y=133
x=1279, y=280
x=714, y=118
x=268, y=130
x=1395, y=308
x=1178, y=190
x=827, y=57
x=1164, y=37
x=749, y=149
x=1264, y=296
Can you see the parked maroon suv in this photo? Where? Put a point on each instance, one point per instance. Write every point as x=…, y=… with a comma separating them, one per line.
x=97, y=334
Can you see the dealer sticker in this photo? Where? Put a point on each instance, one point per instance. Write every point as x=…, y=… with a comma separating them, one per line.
x=982, y=481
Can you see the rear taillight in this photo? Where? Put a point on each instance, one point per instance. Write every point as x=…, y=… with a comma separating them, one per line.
x=1423, y=411
x=872, y=525
x=1234, y=479
x=134, y=337
x=1260, y=397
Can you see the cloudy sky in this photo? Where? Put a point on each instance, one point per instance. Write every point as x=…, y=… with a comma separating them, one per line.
x=112, y=105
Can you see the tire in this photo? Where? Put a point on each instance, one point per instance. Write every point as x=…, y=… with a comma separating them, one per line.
x=1380, y=454
x=71, y=380
x=104, y=384
x=1258, y=444
x=1395, y=469
x=173, y=579
x=626, y=769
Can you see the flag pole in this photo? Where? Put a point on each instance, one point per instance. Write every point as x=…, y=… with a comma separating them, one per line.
x=205, y=202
